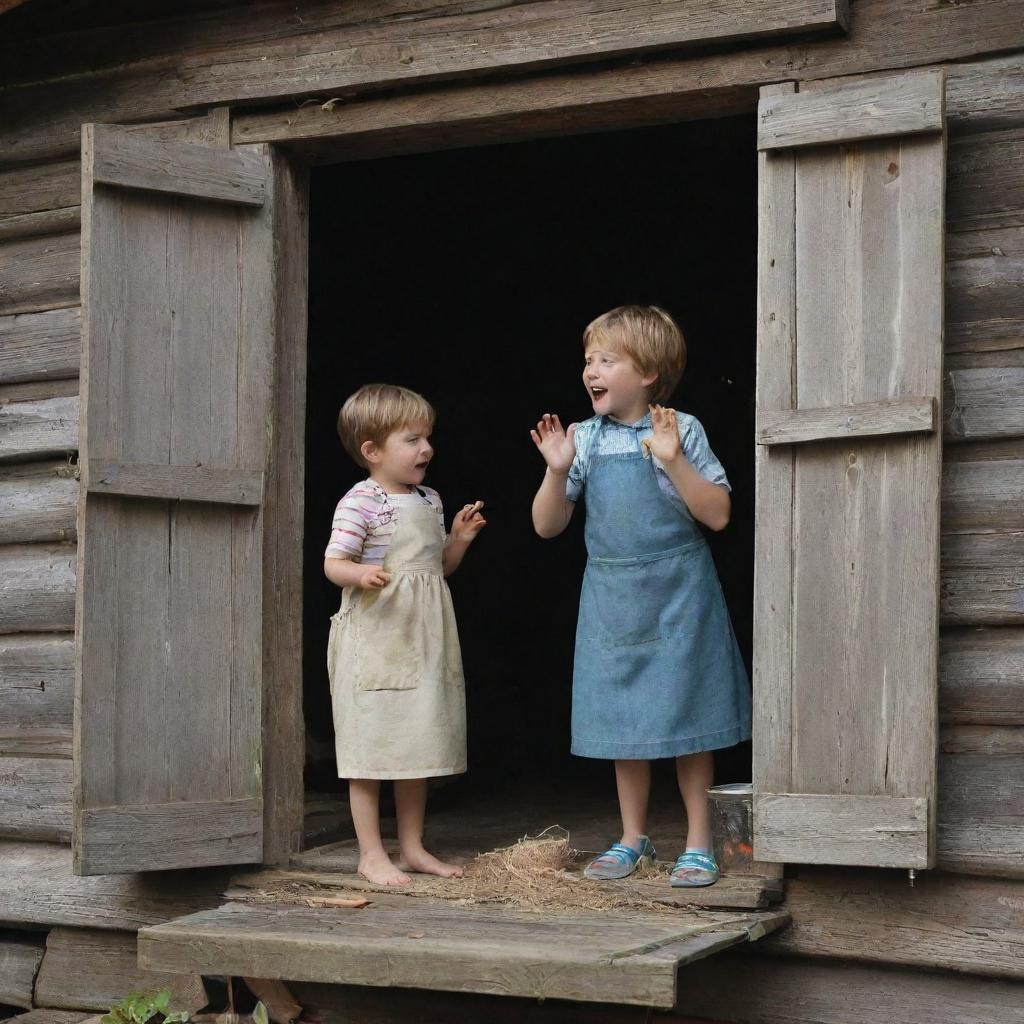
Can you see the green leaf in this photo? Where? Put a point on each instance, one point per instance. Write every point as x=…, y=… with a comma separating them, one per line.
x=259, y=1014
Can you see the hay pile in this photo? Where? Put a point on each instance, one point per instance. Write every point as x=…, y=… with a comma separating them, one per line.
x=541, y=872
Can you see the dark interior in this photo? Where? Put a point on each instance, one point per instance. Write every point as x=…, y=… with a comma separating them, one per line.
x=469, y=275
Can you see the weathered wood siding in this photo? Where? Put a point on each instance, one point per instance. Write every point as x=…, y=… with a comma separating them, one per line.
x=109, y=74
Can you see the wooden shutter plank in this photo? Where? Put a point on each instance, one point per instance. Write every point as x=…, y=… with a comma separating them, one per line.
x=866, y=419
x=176, y=483
x=175, y=392
x=877, y=831
x=132, y=160
x=180, y=835
x=853, y=110
x=861, y=623
x=773, y=525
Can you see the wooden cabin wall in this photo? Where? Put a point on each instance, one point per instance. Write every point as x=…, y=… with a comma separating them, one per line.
x=965, y=925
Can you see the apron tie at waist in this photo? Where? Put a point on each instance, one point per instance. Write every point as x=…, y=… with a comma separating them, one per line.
x=408, y=569
x=653, y=556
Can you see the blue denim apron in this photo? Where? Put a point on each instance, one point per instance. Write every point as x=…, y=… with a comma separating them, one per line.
x=657, y=671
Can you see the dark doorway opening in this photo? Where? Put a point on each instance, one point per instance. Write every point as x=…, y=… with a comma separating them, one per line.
x=469, y=275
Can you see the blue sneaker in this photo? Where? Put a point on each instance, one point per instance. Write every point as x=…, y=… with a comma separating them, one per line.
x=619, y=861
x=693, y=869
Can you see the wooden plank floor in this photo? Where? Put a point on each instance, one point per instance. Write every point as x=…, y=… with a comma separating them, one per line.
x=410, y=942
x=475, y=823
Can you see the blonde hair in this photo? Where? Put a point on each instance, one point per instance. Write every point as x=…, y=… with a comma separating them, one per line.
x=378, y=410
x=651, y=339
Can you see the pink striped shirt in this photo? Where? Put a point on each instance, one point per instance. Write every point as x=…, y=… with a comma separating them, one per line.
x=365, y=521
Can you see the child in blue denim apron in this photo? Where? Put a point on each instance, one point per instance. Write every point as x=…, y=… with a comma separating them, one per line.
x=393, y=657
x=657, y=671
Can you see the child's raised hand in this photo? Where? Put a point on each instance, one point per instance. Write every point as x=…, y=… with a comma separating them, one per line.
x=468, y=523
x=664, y=443
x=373, y=577
x=554, y=443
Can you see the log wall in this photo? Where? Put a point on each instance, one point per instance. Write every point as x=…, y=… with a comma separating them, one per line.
x=981, y=815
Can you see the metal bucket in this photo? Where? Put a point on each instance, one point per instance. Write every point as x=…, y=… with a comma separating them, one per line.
x=732, y=826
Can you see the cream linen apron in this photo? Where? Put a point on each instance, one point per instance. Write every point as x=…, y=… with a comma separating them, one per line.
x=395, y=666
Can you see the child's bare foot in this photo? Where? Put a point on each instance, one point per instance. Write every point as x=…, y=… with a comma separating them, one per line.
x=428, y=864
x=377, y=868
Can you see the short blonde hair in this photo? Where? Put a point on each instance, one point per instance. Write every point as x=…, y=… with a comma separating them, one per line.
x=651, y=339
x=377, y=410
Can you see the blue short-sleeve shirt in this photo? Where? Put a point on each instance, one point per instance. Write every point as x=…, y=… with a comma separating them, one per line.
x=603, y=435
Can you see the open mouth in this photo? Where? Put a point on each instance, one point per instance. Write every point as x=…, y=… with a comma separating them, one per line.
x=422, y=465
x=598, y=393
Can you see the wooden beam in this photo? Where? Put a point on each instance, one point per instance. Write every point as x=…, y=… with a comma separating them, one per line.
x=984, y=403
x=20, y=956
x=44, y=222
x=803, y=992
x=868, y=419
x=38, y=889
x=36, y=691
x=38, y=502
x=39, y=273
x=800, y=828
x=945, y=922
x=985, y=183
x=985, y=95
x=35, y=798
x=48, y=186
x=131, y=160
x=175, y=483
x=983, y=495
x=34, y=430
x=981, y=676
x=985, y=291
x=981, y=579
x=92, y=970
x=37, y=588
x=40, y=346
x=884, y=35
x=853, y=111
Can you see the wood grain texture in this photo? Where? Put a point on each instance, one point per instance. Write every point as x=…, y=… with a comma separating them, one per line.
x=39, y=273
x=876, y=831
x=40, y=346
x=773, y=524
x=175, y=483
x=862, y=623
x=795, y=992
x=981, y=676
x=92, y=970
x=35, y=798
x=20, y=956
x=48, y=186
x=176, y=370
x=44, y=222
x=985, y=95
x=631, y=959
x=36, y=429
x=868, y=419
x=984, y=293
x=37, y=592
x=38, y=889
x=983, y=496
x=283, y=724
x=181, y=834
x=38, y=391
x=134, y=160
x=43, y=119
x=985, y=182
x=982, y=579
x=43, y=1016
x=38, y=501
x=36, y=693
x=853, y=110
x=984, y=403
x=945, y=922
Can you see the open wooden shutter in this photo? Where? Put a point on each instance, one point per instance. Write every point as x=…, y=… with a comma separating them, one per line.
x=176, y=389
x=848, y=470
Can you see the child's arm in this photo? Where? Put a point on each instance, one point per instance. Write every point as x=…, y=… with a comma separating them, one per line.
x=465, y=526
x=343, y=572
x=552, y=510
x=708, y=503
